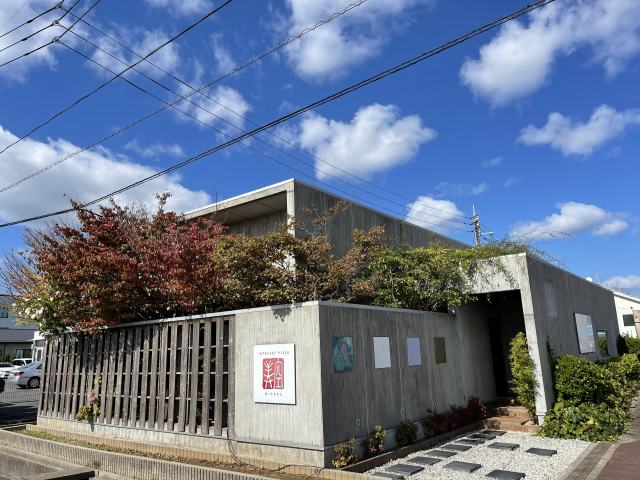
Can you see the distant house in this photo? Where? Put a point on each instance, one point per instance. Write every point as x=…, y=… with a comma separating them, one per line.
x=15, y=340
x=628, y=310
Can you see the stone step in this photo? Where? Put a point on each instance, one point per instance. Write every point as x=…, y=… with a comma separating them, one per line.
x=511, y=424
x=512, y=411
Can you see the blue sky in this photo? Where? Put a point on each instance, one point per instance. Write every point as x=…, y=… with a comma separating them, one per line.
x=536, y=123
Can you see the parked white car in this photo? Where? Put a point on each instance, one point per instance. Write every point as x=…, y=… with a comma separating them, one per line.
x=29, y=375
x=6, y=368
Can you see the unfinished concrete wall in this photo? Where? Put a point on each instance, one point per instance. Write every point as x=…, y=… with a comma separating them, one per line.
x=357, y=400
x=259, y=225
x=354, y=216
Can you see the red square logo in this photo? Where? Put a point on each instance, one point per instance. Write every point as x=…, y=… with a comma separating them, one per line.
x=273, y=373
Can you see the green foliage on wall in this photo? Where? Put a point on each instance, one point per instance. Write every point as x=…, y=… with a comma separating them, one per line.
x=522, y=373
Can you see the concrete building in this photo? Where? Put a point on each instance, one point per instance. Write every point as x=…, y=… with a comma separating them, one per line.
x=298, y=379
x=15, y=340
x=628, y=310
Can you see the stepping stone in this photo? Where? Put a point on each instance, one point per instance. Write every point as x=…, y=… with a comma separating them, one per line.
x=388, y=475
x=472, y=441
x=494, y=432
x=503, y=446
x=424, y=460
x=404, y=469
x=485, y=436
x=463, y=466
x=505, y=475
x=457, y=448
x=542, y=452
x=441, y=453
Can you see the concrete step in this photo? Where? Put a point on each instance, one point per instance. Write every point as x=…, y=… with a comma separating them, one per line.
x=512, y=411
x=511, y=424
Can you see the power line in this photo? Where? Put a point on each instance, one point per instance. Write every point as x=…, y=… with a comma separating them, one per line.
x=24, y=39
x=136, y=86
x=273, y=134
x=97, y=47
x=104, y=84
x=356, y=86
x=221, y=77
x=27, y=22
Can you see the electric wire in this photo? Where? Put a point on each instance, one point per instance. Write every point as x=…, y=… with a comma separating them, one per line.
x=108, y=82
x=356, y=86
x=221, y=77
x=200, y=107
x=24, y=39
x=273, y=134
x=27, y=22
x=250, y=147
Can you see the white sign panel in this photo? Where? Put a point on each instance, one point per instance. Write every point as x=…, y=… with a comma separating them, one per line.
x=586, y=339
x=381, y=352
x=413, y=351
x=274, y=374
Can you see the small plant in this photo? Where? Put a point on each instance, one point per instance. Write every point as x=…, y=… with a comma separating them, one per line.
x=406, y=434
x=94, y=464
x=89, y=412
x=374, y=443
x=458, y=416
x=523, y=382
x=345, y=454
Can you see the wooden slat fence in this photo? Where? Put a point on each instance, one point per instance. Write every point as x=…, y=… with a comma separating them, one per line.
x=171, y=376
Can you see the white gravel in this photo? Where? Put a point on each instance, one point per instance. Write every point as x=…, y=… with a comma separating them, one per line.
x=533, y=466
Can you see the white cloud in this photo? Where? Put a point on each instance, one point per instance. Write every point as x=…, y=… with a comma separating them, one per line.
x=434, y=214
x=580, y=138
x=140, y=41
x=446, y=189
x=182, y=7
x=224, y=59
x=18, y=70
x=155, y=149
x=377, y=138
x=572, y=218
x=351, y=39
x=624, y=282
x=510, y=182
x=492, y=162
x=86, y=176
x=519, y=59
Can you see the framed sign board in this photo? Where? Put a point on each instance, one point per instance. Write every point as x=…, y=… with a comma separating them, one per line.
x=584, y=327
x=274, y=374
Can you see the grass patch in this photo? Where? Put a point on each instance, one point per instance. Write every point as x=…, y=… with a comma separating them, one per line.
x=235, y=467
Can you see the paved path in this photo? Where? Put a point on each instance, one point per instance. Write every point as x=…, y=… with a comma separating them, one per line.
x=18, y=405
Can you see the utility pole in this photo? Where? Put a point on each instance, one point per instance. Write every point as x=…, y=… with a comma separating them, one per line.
x=475, y=219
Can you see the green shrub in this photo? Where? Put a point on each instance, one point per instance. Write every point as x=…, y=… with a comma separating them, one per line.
x=593, y=398
x=580, y=381
x=406, y=433
x=587, y=421
x=345, y=454
x=374, y=443
x=629, y=345
x=523, y=380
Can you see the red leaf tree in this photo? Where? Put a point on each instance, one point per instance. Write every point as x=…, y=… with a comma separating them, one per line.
x=123, y=264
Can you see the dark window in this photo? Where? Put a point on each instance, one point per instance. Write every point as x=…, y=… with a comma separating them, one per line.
x=603, y=343
x=440, y=350
x=4, y=312
x=39, y=343
x=627, y=320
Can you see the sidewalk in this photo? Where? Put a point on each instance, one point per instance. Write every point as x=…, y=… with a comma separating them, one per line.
x=608, y=461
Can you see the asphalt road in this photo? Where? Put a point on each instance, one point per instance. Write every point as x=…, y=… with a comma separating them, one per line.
x=18, y=405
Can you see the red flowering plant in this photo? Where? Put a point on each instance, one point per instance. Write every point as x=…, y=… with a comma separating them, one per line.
x=118, y=264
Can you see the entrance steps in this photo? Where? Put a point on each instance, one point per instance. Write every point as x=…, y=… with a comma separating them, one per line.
x=511, y=418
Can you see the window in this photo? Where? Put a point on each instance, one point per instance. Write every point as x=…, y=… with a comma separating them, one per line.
x=584, y=328
x=38, y=343
x=4, y=312
x=23, y=353
x=627, y=320
x=440, y=349
x=603, y=343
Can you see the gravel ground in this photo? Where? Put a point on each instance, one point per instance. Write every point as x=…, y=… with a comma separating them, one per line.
x=533, y=466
